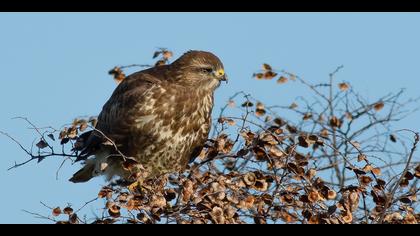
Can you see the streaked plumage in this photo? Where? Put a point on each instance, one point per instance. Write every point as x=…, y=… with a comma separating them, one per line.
x=160, y=117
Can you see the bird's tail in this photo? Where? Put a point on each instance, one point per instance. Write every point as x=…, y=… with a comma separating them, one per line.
x=84, y=174
x=93, y=167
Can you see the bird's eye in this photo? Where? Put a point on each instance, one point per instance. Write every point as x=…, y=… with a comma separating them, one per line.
x=207, y=70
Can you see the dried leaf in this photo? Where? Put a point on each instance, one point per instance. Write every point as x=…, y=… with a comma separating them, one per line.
x=324, y=133
x=376, y=171
x=68, y=210
x=167, y=54
x=279, y=121
x=156, y=54
x=313, y=196
x=247, y=104
x=56, y=211
x=365, y=179
x=367, y=168
x=260, y=112
x=405, y=200
x=303, y=142
x=64, y=141
x=393, y=138
x=335, y=122
x=378, y=106
x=42, y=144
x=258, y=75
x=269, y=75
x=230, y=122
x=83, y=126
x=331, y=195
x=51, y=136
x=231, y=104
x=293, y=106
x=266, y=67
x=409, y=175
x=343, y=86
x=349, y=116
x=73, y=219
x=282, y=80
x=361, y=157
x=417, y=171
x=307, y=116
x=160, y=63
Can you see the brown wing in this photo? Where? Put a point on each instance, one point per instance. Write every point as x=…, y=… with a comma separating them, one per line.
x=118, y=113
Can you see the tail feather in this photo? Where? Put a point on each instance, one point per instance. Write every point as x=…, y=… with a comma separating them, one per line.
x=84, y=174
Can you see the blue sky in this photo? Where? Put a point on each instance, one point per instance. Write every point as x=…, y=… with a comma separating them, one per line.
x=54, y=68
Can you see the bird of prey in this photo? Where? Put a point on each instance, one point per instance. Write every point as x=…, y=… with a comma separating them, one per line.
x=159, y=117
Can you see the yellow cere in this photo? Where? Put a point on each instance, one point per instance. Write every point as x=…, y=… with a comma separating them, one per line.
x=220, y=72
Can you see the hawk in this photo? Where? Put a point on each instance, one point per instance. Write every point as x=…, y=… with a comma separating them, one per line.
x=159, y=117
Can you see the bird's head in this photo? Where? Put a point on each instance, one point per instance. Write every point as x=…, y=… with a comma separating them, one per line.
x=200, y=68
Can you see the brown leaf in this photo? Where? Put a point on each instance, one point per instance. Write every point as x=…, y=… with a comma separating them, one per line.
x=348, y=218
x=417, y=171
x=42, y=144
x=335, y=122
x=405, y=200
x=404, y=182
x=378, y=106
x=266, y=67
x=313, y=196
x=310, y=173
x=343, y=86
x=160, y=63
x=56, y=211
x=231, y=104
x=105, y=192
x=72, y=132
x=409, y=175
x=361, y=157
x=260, y=154
x=247, y=104
x=293, y=106
x=269, y=75
x=261, y=185
x=258, y=76
x=367, y=168
x=307, y=116
x=331, y=194
x=349, y=116
x=68, y=210
x=230, y=122
x=167, y=54
x=156, y=54
x=250, y=179
x=51, y=136
x=260, y=112
x=83, y=126
x=291, y=129
x=324, y=133
x=376, y=171
x=93, y=121
x=303, y=142
x=282, y=80
x=365, y=179
x=279, y=121
x=73, y=219
x=114, y=211
x=393, y=138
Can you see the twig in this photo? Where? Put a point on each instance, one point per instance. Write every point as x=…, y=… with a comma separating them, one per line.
x=390, y=197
